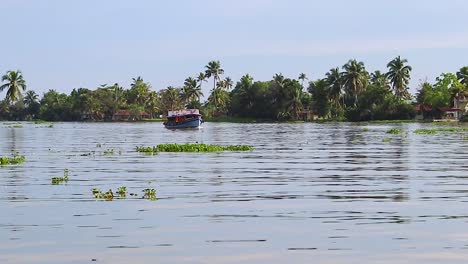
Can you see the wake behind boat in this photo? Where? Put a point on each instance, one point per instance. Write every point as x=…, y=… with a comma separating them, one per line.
x=187, y=118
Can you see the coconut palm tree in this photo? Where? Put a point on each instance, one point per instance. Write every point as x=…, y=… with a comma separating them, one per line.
x=154, y=103
x=279, y=79
x=462, y=76
x=399, y=76
x=201, y=78
x=354, y=78
x=244, y=85
x=190, y=91
x=335, y=85
x=213, y=69
x=219, y=98
x=170, y=98
x=302, y=77
x=228, y=83
x=140, y=90
x=30, y=98
x=379, y=79
x=293, y=103
x=15, y=83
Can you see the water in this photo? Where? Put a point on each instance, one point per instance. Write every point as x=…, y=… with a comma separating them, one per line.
x=322, y=193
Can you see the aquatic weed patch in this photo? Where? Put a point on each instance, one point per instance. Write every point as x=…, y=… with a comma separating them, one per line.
x=149, y=194
x=395, y=131
x=109, y=152
x=15, y=159
x=192, y=148
x=121, y=193
x=432, y=131
x=58, y=180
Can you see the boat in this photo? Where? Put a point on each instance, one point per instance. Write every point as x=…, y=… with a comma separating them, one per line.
x=186, y=118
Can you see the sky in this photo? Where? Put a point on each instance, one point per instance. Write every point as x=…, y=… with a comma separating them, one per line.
x=66, y=44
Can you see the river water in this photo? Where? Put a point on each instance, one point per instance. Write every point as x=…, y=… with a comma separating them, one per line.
x=307, y=193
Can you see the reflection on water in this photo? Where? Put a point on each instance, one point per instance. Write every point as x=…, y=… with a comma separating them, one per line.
x=327, y=192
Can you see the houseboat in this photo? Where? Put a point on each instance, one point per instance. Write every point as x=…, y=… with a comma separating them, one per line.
x=187, y=118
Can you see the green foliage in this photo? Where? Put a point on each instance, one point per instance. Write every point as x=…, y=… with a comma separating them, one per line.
x=399, y=76
x=378, y=103
x=109, y=152
x=439, y=94
x=149, y=194
x=192, y=148
x=98, y=194
x=395, y=131
x=320, y=100
x=432, y=131
x=15, y=159
x=58, y=180
x=122, y=191
x=14, y=84
x=352, y=94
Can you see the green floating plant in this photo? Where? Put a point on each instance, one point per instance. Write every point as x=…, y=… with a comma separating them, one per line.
x=98, y=194
x=15, y=159
x=192, y=148
x=395, y=131
x=426, y=131
x=109, y=152
x=149, y=194
x=58, y=180
x=122, y=191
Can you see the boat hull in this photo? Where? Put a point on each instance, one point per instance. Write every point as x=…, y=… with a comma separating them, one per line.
x=193, y=123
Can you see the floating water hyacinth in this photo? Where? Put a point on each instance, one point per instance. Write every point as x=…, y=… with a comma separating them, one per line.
x=149, y=194
x=425, y=131
x=15, y=159
x=58, y=180
x=122, y=191
x=109, y=152
x=395, y=131
x=192, y=148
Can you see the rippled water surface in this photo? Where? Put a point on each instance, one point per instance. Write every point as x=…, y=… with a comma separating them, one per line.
x=307, y=193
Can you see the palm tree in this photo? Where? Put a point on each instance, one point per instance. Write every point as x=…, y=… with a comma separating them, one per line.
x=354, y=78
x=279, y=79
x=219, y=98
x=462, y=75
x=228, y=83
x=335, y=85
x=213, y=69
x=15, y=83
x=170, y=98
x=302, y=77
x=190, y=91
x=399, y=76
x=293, y=103
x=221, y=84
x=245, y=90
x=379, y=79
x=154, y=103
x=30, y=98
x=201, y=78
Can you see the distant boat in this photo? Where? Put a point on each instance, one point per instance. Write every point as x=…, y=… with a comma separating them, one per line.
x=187, y=118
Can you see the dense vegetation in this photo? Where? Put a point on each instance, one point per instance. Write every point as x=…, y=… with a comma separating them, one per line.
x=349, y=92
x=192, y=148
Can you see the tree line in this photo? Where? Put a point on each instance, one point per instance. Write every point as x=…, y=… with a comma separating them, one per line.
x=349, y=92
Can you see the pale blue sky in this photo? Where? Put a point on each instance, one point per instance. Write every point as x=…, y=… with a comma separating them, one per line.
x=66, y=44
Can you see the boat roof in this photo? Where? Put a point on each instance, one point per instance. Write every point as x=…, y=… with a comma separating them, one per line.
x=183, y=112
